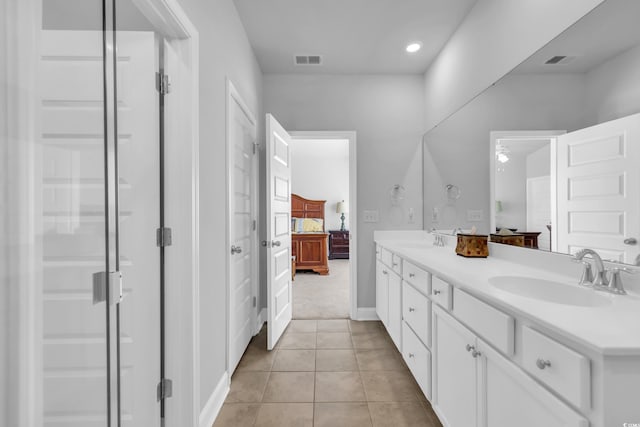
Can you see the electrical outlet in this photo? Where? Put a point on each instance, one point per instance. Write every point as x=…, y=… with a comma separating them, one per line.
x=475, y=215
x=370, y=216
x=411, y=216
x=435, y=215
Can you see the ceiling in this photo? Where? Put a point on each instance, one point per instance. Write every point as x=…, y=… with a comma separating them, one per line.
x=607, y=31
x=352, y=36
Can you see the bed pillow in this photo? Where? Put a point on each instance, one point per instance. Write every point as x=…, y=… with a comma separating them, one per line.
x=308, y=225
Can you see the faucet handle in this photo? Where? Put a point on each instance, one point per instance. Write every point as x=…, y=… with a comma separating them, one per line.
x=615, y=281
x=587, y=274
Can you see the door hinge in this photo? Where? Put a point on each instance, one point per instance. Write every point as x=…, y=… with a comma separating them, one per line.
x=255, y=147
x=163, y=237
x=112, y=280
x=254, y=224
x=163, y=85
x=164, y=389
x=254, y=301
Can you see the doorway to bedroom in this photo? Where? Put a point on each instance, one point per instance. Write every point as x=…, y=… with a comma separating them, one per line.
x=322, y=225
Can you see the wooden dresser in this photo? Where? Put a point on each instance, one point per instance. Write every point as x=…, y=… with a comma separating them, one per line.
x=309, y=249
x=338, y=244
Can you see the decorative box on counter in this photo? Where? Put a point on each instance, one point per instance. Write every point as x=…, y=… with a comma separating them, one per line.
x=508, y=239
x=472, y=245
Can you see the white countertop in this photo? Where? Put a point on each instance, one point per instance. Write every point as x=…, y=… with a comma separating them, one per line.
x=613, y=329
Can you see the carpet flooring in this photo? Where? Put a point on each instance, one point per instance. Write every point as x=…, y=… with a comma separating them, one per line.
x=322, y=297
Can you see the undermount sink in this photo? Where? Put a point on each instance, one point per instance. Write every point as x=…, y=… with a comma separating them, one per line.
x=549, y=291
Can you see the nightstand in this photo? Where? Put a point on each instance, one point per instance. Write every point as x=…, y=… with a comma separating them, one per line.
x=338, y=244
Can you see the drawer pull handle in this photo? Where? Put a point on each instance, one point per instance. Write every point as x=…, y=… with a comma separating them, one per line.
x=541, y=363
x=411, y=309
x=470, y=347
x=385, y=272
x=412, y=275
x=395, y=264
x=436, y=292
x=412, y=355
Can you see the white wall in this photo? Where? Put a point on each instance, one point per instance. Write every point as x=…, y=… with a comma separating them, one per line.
x=387, y=113
x=511, y=190
x=613, y=88
x=320, y=171
x=494, y=38
x=539, y=162
x=224, y=52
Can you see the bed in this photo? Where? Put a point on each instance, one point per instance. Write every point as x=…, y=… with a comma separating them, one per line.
x=309, y=239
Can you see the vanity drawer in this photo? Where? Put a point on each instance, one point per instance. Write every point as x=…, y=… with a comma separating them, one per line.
x=386, y=256
x=416, y=312
x=441, y=293
x=417, y=358
x=419, y=278
x=396, y=264
x=559, y=367
x=494, y=326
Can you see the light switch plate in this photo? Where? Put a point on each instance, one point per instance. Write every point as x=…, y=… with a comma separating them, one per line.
x=475, y=215
x=370, y=216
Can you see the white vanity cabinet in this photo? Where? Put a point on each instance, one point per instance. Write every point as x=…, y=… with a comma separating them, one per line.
x=389, y=294
x=474, y=385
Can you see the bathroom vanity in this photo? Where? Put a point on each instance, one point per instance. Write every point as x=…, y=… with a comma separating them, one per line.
x=502, y=342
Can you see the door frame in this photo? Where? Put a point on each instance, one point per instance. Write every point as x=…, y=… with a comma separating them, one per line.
x=494, y=137
x=352, y=202
x=233, y=95
x=170, y=20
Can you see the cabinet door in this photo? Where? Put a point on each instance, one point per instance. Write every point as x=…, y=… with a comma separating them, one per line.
x=454, y=372
x=509, y=397
x=395, y=309
x=382, y=292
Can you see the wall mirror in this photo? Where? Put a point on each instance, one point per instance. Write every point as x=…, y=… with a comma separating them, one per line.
x=551, y=152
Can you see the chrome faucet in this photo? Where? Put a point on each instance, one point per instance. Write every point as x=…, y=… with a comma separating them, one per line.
x=601, y=274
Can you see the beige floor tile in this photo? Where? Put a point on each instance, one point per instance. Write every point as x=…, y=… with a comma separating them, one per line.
x=389, y=386
x=380, y=360
x=341, y=415
x=298, y=340
x=334, y=340
x=289, y=387
x=339, y=387
x=285, y=415
x=336, y=360
x=399, y=414
x=333, y=325
x=247, y=387
x=237, y=415
x=295, y=360
x=257, y=359
x=359, y=327
x=300, y=325
x=372, y=340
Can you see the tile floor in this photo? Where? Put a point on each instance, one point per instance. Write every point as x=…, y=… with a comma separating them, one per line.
x=333, y=373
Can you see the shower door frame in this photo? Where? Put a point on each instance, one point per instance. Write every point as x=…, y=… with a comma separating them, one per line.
x=23, y=24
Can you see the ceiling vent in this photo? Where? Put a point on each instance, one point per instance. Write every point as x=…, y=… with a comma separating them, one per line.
x=308, y=60
x=560, y=59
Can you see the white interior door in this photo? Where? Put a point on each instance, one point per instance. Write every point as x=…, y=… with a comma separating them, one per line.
x=539, y=209
x=242, y=225
x=74, y=355
x=599, y=189
x=278, y=231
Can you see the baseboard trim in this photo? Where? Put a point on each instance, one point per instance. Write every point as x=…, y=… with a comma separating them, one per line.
x=211, y=410
x=367, y=313
x=260, y=320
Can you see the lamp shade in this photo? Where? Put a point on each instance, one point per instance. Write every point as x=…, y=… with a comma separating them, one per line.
x=341, y=207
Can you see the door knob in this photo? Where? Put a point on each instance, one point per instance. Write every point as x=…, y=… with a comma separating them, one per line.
x=275, y=243
x=631, y=241
x=235, y=249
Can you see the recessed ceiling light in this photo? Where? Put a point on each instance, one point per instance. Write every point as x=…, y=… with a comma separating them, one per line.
x=413, y=47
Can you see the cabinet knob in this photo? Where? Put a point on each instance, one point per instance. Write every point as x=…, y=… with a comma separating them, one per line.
x=412, y=275
x=411, y=309
x=469, y=347
x=395, y=264
x=412, y=355
x=475, y=353
x=385, y=272
x=542, y=363
x=436, y=292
